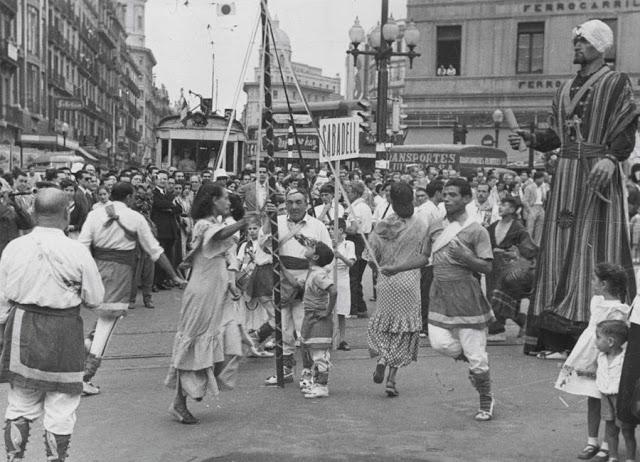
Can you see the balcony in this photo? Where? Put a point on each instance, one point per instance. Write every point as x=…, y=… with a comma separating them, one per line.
x=13, y=116
x=106, y=34
x=58, y=81
x=89, y=36
x=128, y=81
x=8, y=55
x=56, y=37
x=10, y=5
x=133, y=135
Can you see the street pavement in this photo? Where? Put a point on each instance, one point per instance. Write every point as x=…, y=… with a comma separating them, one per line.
x=431, y=420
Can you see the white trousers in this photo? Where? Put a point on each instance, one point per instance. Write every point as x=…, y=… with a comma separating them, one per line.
x=292, y=317
x=59, y=409
x=471, y=342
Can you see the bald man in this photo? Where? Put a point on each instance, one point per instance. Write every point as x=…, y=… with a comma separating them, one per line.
x=44, y=278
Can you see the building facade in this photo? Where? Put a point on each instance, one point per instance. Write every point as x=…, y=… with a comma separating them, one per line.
x=153, y=104
x=68, y=81
x=315, y=86
x=506, y=54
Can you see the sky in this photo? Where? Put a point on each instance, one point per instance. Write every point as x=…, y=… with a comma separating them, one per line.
x=180, y=37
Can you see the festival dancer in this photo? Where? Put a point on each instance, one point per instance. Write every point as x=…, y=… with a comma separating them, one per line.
x=44, y=278
x=593, y=122
x=295, y=268
x=112, y=233
x=458, y=312
x=399, y=244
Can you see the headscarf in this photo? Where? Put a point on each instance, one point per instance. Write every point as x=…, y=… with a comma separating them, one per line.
x=597, y=33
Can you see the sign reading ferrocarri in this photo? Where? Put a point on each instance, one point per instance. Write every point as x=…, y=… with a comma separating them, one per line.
x=341, y=138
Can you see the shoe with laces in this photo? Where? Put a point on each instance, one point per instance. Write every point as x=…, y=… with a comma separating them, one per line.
x=317, y=391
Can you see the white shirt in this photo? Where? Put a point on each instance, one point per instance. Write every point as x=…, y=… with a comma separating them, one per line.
x=473, y=210
x=608, y=372
x=361, y=215
x=309, y=227
x=381, y=211
x=348, y=250
x=429, y=213
x=330, y=213
x=260, y=257
x=48, y=269
x=113, y=237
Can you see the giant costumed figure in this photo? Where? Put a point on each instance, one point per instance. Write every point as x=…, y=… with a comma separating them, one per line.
x=593, y=122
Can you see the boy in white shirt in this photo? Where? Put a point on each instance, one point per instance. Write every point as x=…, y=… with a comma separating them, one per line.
x=611, y=337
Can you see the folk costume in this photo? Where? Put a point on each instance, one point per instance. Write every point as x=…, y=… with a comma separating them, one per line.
x=295, y=268
x=393, y=333
x=593, y=117
x=199, y=342
x=44, y=278
x=459, y=313
x=112, y=234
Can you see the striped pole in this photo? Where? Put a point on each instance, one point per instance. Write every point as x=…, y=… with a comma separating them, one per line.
x=267, y=125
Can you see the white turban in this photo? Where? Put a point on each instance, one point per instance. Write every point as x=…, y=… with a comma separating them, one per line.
x=597, y=33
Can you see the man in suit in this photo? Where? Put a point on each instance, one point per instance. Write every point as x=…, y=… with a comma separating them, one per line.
x=83, y=197
x=163, y=214
x=533, y=205
x=255, y=195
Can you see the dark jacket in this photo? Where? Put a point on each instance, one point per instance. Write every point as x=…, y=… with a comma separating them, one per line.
x=164, y=214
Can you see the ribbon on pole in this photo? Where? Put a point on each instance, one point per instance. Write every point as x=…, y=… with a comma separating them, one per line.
x=267, y=123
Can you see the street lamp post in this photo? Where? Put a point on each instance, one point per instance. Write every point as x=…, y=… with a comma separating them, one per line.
x=381, y=40
x=65, y=130
x=498, y=118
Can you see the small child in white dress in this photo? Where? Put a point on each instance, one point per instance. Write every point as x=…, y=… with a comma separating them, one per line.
x=345, y=257
x=578, y=374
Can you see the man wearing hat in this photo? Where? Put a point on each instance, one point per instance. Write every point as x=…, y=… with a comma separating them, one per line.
x=593, y=122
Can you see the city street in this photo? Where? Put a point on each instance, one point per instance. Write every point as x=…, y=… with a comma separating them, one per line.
x=431, y=420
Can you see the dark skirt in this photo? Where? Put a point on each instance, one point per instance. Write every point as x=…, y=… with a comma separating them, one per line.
x=630, y=376
x=260, y=282
x=43, y=349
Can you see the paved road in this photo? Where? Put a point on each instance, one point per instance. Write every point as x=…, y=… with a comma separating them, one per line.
x=431, y=420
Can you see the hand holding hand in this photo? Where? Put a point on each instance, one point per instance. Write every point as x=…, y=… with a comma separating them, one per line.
x=388, y=270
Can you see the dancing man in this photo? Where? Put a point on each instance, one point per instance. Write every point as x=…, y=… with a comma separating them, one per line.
x=112, y=233
x=458, y=311
x=44, y=278
x=593, y=122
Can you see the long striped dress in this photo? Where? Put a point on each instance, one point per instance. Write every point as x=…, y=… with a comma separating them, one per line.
x=581, y=229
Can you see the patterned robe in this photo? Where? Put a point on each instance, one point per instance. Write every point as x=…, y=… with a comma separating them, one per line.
x=581, y=229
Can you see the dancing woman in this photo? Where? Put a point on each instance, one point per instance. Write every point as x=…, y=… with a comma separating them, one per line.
x=199, y=342
x=399, y=244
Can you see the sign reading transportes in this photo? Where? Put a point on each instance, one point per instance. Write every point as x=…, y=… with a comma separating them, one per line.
x=341, y=138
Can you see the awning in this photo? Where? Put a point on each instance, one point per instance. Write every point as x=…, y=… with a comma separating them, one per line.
x=84, y=153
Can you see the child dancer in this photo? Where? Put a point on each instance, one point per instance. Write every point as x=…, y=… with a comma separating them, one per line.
x=611, y=337
x=345, y=253
x=578, y=374
x=317, y=327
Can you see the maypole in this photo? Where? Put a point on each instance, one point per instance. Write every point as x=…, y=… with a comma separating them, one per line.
x=267, y=124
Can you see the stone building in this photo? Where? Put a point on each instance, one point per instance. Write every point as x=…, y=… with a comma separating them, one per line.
x=506, y=53
x=315, y=86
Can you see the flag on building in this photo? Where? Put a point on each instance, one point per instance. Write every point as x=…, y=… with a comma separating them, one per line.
x=226, y=8
x=183, y=109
